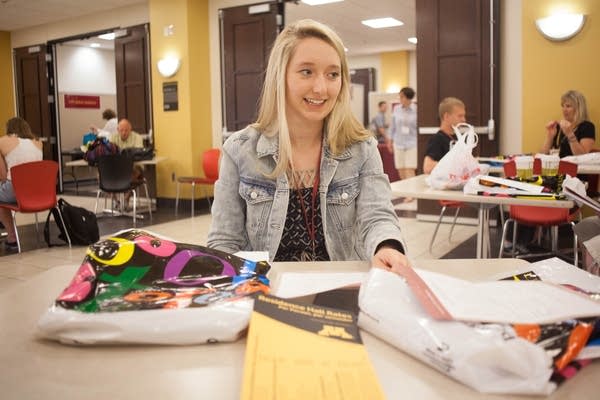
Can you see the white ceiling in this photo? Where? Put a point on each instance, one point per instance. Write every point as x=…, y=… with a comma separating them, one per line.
x=19, y=14
x=344, y=17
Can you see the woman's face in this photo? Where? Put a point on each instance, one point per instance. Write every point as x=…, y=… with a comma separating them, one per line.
x=313, y=82
x=568, y=110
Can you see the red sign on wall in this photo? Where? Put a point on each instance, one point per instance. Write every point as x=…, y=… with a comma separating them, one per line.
x=78, y=101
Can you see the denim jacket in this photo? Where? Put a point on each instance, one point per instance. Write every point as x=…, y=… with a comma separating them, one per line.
x=249, y=209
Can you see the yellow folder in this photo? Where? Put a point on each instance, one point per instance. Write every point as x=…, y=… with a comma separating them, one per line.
x=300, y=351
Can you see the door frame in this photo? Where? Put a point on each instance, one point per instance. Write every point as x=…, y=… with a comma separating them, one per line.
x=53, y=91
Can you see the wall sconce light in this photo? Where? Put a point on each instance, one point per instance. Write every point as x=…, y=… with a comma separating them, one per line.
x=168, y=66
x=558, y=27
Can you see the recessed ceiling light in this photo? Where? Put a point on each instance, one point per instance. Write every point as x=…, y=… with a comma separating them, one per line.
x=319, y=2
x=107, y=36
x=94, y=44
x=382, y=22
x=413, y=40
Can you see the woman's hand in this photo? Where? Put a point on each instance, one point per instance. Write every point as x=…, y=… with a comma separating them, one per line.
x=566, y=127
x=390, y=259
x=551, y=130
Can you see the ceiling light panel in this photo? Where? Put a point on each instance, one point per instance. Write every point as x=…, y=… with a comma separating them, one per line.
x=379, y=23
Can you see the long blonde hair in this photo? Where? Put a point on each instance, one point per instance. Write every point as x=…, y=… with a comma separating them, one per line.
x=342, y=128
x=578, y=101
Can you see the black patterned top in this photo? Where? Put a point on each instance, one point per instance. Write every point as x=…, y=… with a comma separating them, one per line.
x=295, y=242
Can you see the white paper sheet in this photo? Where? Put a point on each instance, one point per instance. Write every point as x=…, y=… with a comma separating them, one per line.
x=253, y=255
x=296, y=284
x=524, y=302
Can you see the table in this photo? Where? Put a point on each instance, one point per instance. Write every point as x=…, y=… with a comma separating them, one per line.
x=417, y=188
x=33, y=368
x=82, y=163
x=151, y=178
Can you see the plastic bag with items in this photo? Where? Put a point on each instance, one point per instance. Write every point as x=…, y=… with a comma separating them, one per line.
x=136, y=287
x=98, y=148
x=458, y=165
x=489, y=357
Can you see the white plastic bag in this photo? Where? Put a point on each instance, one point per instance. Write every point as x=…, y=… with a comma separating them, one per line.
x=487, y=357
x=458, y=165
x=136, y=287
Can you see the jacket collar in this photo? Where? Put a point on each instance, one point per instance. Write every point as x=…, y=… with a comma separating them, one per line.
x=269, y=146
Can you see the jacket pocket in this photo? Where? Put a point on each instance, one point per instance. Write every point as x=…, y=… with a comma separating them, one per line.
x=341, y=202
x=258, y=196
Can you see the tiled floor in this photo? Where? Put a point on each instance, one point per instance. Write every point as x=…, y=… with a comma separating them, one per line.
x=37, y=258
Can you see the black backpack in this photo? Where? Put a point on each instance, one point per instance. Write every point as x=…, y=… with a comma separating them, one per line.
x=81, y=224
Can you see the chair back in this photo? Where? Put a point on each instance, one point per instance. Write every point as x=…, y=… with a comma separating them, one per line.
x=567, y=168
x=537, y=166
x=115, y=172
x=510, y=168
x=210, y=163
x=34, y=184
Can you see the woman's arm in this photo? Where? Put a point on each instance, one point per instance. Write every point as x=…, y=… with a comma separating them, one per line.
x=551, y=132
x=377, y=224
x=228, y=226
x=586, y=141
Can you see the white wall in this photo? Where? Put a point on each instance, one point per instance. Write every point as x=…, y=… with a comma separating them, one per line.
x=85, y=70
x=511, y=77
x=368, y=61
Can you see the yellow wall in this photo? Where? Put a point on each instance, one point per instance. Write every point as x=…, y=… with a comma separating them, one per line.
x=394, y=71
x=552, y=68
x=7, y=104
x=181, y=135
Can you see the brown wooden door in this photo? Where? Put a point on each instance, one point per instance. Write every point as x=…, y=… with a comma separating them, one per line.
x=246, y=39
x=32, y=94
x=453, y=59
x=365, y=77
x=133, y=78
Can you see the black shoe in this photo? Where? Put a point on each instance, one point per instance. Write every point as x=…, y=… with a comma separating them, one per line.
x=11, y=247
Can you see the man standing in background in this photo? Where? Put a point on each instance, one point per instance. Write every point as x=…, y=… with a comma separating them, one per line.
x=379, y=125
x=403, y=132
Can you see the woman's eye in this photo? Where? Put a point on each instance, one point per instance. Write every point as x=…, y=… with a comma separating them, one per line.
x=305, y=72
x=334, y=75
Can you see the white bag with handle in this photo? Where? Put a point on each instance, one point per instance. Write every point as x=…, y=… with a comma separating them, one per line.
x=458, y=165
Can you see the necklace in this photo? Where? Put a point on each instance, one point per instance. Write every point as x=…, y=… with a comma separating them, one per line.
x=310, y=222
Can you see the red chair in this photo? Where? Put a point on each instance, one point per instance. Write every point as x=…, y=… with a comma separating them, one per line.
x=34, y=184
x=541, y=217
x=210, y=167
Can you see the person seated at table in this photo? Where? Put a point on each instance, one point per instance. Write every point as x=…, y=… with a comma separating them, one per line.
x=126, y=138
x=452, y=112
x=305, y=182
x=18, y=146
x=574, y=134
x=110, y=127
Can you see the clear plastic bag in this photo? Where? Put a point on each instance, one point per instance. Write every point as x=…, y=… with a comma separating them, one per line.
x=458, y=165
x=489, y=357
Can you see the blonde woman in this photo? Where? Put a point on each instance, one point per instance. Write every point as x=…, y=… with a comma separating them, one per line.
x=305, y=182
x=573, y=134
x=18, y=146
